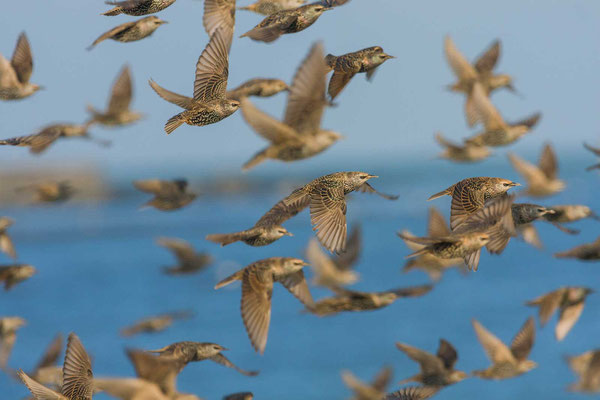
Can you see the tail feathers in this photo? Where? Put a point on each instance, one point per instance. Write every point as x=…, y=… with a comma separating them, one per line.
x=417, y=253
x=231, y=278
x=173, y=123
x=445, y=192
x=254, y=161
x=224, y=238
x=114, y=11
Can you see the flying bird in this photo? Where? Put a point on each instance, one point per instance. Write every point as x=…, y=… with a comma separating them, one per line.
x=524, y=214
x=188, y=260
x=373, y=391
x=137, y=7
x=219, y=14
x=14, y=75
x=131, y=31
x=412, y=393
x=130, y=389
x=565, y=214
x=466, y=153
x=584, y=252
x=48, y=361
x=15, y=273
x=542, y=179
x=6, y=244
x=168, y=195
x=8, y=336
x=587, y=368
x=596, y=151
x=50, y=192
x=258, y=87
x=157, y=323
x=268, y=7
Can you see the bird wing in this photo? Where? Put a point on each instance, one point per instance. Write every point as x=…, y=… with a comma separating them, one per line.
x=320, y=262
x=221, y=359
x=184, y=252
x=155, y=369
x=591, y=376
x=114, y=31
x=7, y=341
x=530, y=235
x=281, y=212
x=496, y=351
x=430, y=364
x=22, y=60
x=219, y=14
x=412, y=291
x=548, y=304
x=270, y=28
x=346, y=260
x=487, y=61
x=50, y=356
x=77, y=371
x=530, y=121
x=523, y=341
x=568, y=317
x=492, y=120
x=367, y=188
x=382, y=379
x=461, y=67
x=472, y=259
x=437, y=226
x=257, y=290
x=413, y=393
x=530, y=172
x=38, y=142
x=296, y=284
x=8, y=76
x=328, y=217
x=447, y=353
x=212, y=69
x=595, y=150
x=496, y=220
x=266, y=126
x=445, y=142
x=580, y=364
x=338, y=82
x=172, y=97
x=464, y=202
x=39, y=391
x=161, y=188
x=7, y=246
x=120, y=97
x=548, y=162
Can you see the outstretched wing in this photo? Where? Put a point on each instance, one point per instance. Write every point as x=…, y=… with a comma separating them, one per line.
x=212, y=69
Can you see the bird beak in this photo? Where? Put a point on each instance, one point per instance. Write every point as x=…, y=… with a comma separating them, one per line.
x=328, y=8
x=373, y=176
x=388, y=56
x=512, y=184
x=164, y=22
x=550, y=211
x=289, y=234
x=224, y=349
x=304, y=263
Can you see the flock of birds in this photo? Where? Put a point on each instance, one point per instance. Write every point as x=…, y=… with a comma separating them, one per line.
x=482, y=213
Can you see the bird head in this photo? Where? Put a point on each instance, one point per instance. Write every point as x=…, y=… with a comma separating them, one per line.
x=291, y=265
x=358, y=178
x=457, y=376
x=314, y=10
x=527, y=365
x=231, y=106
x=503, y=185
x=156, y=21
x=501, y=80
x=280, y=231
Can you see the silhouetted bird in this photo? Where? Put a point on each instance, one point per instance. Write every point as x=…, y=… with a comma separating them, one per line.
x=542, y=179
x=585, y=252
x=137, y=7
x=131, y=31
x=15, y=273
x=168, y=195
x=14, y=75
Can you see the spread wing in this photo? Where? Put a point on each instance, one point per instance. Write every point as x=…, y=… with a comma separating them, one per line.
x=114, y=31
x=172, y=97
x=219, y=14
x=39, y=391
x=50, y=356
x=328, y=217
x=485, y=110
x=257, y=289
x=548, y=162
x=38, y=142
x=523, y=341
x=496, y=351
x=464, y=202
x=281, y=212
x=437, y=226
x=568, y=317
x=212, y=69
x=296, y=284
x=447, y=353
x=530, y=172
x=548, y=304
x=155, y=369
x=122, y=90
x=461, y=67
x=77, y=371
x=488, y=60
x=265, y=125
x=430, y=364
x=22, y=60
x=338, y=82
x=353, y=249
x=221, y=359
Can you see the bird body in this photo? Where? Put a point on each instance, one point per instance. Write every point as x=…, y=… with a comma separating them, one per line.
x=131, y=31
x=168, y=195
x=189, y=261
x=40, y=141
x=584, y=252
x=14, y=274
x=15, y=74
x=570, y=213
x=259, y=87
x=587, y=367
x=466, y=153
x=137, y=7
x=542, y=179
x=156, y=323
x=268, y=7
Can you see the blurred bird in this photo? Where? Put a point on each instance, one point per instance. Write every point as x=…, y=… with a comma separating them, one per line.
x=432, y=265
x=137, y=7
x=6, y=244
x=523, y=215
x=48, y=361
x=542, y=179
x=157, y=323
x=168, y=195
x=219, y=14
x=239, y=396
x=412, y=393
x=585, y=252
x=130, y=389
x=8, y=336
x=596, y=151
x=352, y=301
x=506, y=362
x=14, y=75
x=77, y=376
x=436, y=370
x=346, y=66
x=335, y=271
x=50, y=192
x=209, y=104
x=15, y=273
x=587, y=367
x=118, y=112
x=286, y=21
x=299, y=136
x=131, y=31
x=569, y=213
x=465, y=153
x=257, y=288
x=259, y=87
x=569, y=300
x=189, y=261
x=372, y=391
x=268, y=7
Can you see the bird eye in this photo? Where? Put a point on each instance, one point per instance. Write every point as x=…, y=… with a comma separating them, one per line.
x=541, y=210
x=216, y=347
x=505, y=184
x=363, y=177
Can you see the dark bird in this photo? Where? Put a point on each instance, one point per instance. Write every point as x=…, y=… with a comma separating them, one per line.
x=436, y=370
x=542, y=179
x=209, y=104
x=372, y=391
x=268, y=7
x=286, y=21
x=6, y=244
x=461, y=153
x=412, y=393
x=257, y=288
x=14, y=75
x=346, y=66
x=8, y=336
x=258, y=87
x=50, y=192
x=77, y=376
x=587, y=368
x=137, y=7
x=168, y=195
x=596, y=151
x=299, y=135
x=157, y=323
x=219, y=14
x=15, y=273
x=585, y=252
x=239, y=396
x=189, y=261
x=524, y=214
x=506, y=362
x=569, y=300
x=131, y=31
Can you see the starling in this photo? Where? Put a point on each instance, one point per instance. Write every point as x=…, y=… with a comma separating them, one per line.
x=587, y=367
x=585, y=252
x=570, y=213
x=523, y=215
x=239, y=396
x=569, y=300
x=481, y=72
x=436, y=370
x=118, y=112
x=189, y=261
x=257, y=289
x=14, y=75
x=219, y=14
x=346, y=66
x=131, y=31
x=50, y=192
x=465, y=153
x=413, y=393
x=130, y=388
x=596, y=151
x=14, y=274
x=6, y=244
x=137, y=7
x=432, y=265
x=260, y=87
x=299, y=136
x=496, y=131
x=353, y=301
x=77, y=376
x=268, y=7
x=157, y=323
x=209, y=104
x=373, y=391
x=506, y=362
x=542, y=179
x=471, y=194
x=335, y=271
x=168, y=195
x=8, y=336
x=286, y=21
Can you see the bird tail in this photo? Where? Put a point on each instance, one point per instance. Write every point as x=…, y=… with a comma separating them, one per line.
x=174, y=122
x=223, y=238
x=255, y=160
x=445, y=192
x=115, y=11
x=231, y=278
x=417, y=253
x=330, y=60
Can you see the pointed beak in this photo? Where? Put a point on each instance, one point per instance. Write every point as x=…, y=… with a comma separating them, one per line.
x=388, y=56
x=304, y=263
x=224, y=349
x=512, y=184
x=373, y=176
x=163, y=22
x=327, y=8
x=289, y=234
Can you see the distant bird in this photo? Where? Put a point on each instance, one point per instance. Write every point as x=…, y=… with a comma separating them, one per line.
x=259, y=87
x=257, y=288
x=596, y=151
x=481, y=72
x=268, y=7
x=542, y=179
x=506, y=362
x=565, y=214
x=471, y=194
x=432, y=265
x=209, y=104
x=14, y=75
x=497, y=132
x=50, y=192
x=461, y=153
x=299, y=135
x=335, y=271
x=587, y=367
x=137, y=7
x=219, y=14
x=8, y=336
x=436, y=370
x=286, y=21
x=6, y=244
x=412, y=393
x=131, y=31
x=585, y=252
x=239, y=396
x=77, y=376
x=353, y=301
x=523, y=215
x=155, y=323
x=372, y=391
x=189, y=261
x=15, y=273
x=130, y=389
x=168, y=195
x=569, y=300
x=346, y=66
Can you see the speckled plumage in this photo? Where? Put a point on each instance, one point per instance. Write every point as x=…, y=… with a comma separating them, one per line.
x=268, y=7
x=131, y=31
x=137, y=7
